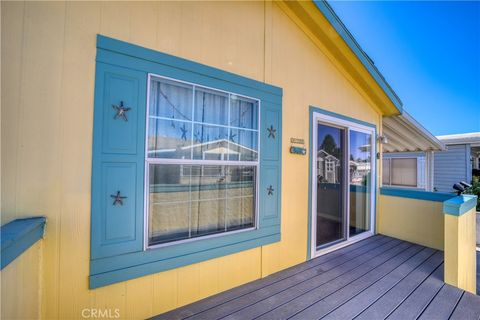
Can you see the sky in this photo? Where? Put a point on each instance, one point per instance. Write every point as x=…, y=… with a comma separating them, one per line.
x=429, y=52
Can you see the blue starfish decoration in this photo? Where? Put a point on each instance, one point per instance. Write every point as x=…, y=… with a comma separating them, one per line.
x=196, y=135
x=232, y=136
x=184, y=132
x=271, y=132
x=118, y=199
x=270, y=190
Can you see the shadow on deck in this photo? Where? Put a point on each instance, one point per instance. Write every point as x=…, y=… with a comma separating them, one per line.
x=375, y=278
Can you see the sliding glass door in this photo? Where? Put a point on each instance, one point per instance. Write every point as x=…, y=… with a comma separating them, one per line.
x=343, y=167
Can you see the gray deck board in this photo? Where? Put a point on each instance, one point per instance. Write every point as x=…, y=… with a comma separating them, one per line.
x=377, y=278
x=328, y=304
x=315, y=276
x=312, y=290
x=361, y=301
x=443, y=304
x=468, y=308
x=349, y=252
x=382, y=307
x=414, y=305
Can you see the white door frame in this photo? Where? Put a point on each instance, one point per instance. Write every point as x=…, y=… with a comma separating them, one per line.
x=347, y=125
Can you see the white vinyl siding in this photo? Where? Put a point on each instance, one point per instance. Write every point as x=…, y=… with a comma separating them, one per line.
x=451, y=166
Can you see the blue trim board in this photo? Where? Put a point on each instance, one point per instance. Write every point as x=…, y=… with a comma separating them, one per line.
x=19, y=235
x=416, y=194
x=110, y=277
x=340, y=116
x=338, y=25
x=459, y=205
x=353, y=188
x=138, y=52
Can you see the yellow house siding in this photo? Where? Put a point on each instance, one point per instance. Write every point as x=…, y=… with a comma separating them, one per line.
x=418, y=221
x=48, y=60
x=21, y=285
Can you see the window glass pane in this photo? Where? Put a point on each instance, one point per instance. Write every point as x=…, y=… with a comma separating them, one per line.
x=210, y=142
x=211, y=106
x=188, y=201
x=404, y=172
x=243, y=145
x=208, y=217
x=240, y=197
x=385, y=171
x=209, y=183
x=360, y=173
x=243, y=112
x=170, y=99
x=239, y=213
x=169, y=203
x=169, y=139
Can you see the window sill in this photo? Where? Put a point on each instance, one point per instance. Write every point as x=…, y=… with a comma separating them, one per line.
x=415, y=194
x=129, y=266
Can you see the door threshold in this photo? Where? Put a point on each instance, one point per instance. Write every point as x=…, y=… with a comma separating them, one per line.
x=342, y=244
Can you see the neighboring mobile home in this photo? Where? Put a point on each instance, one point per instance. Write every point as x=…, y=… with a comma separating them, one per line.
x=462, y=155
x=180, y=149
x=408, y=154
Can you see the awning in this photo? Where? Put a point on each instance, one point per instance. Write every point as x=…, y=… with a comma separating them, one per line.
x=472, y=138
x=405, y=134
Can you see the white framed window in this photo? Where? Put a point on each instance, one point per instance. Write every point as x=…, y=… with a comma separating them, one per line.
x=330, y=165
x=404, y=171
x=201, y=164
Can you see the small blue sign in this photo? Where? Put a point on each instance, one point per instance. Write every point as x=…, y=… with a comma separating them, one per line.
x=298, y=150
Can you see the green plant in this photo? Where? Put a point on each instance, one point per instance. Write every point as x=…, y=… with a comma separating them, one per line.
x=475, y=190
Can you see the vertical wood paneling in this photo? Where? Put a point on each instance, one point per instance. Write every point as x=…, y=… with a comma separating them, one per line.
x=143, y=24
x=139, y=298
x=38, y=187
x=12, y=51
x=20, y=285
x=82, y=24
x=165, y=291
x=115, y=19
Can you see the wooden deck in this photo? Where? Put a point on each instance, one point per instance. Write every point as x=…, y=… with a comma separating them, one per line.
x=377, y=278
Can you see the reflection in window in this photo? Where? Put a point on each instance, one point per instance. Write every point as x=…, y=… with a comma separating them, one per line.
x=191, y=129
x=188, y=201
x=360, y=173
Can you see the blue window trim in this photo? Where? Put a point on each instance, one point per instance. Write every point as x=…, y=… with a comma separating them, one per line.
x=459, y=205
x=416, y=194
x=121, y=267
x=19, y=235
x=313, y=110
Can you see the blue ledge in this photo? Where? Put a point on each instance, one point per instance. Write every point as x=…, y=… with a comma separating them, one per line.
x=19, y=235
x=459, y=205
x=416, y=194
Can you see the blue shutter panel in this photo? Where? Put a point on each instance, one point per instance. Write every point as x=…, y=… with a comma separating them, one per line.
x=270, y=165
x=118, y=161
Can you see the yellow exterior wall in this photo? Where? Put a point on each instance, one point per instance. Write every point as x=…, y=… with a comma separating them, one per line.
x=418, y=221
x=460, y=253
x=21, y=285
x=48, y=63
